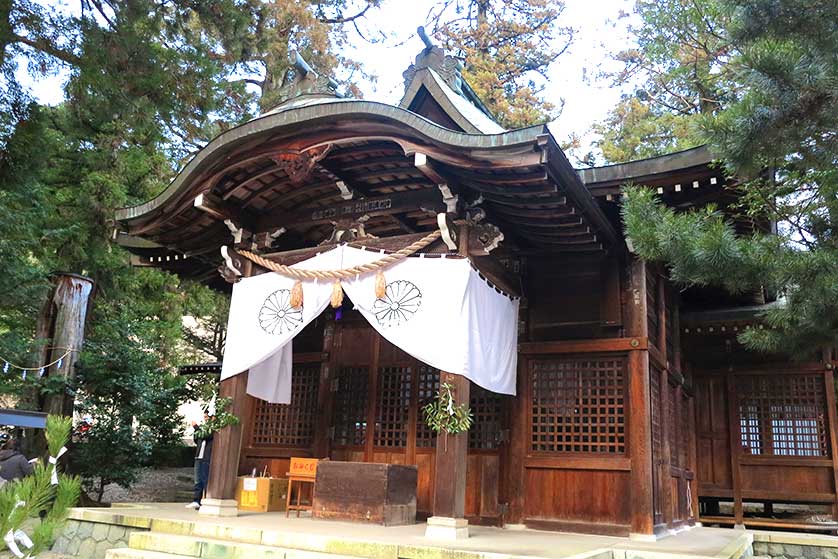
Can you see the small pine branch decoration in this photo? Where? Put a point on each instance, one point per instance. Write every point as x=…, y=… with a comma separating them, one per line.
x=22, y=502
x=444, y=416
x=222, y=418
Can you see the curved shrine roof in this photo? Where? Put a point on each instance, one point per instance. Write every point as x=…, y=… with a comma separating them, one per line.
x=290, y=175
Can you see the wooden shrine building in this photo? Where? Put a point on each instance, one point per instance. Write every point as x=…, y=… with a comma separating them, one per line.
x=635, y=407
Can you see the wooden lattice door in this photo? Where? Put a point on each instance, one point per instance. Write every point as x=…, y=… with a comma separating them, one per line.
x=351, y=364
x=378, y=392
x=393, y=437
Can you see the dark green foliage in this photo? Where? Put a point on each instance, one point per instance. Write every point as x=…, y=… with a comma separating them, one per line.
x=779, y=135
x=113, y=452
x=24, y=204
x=171, y=456
x=681, y=68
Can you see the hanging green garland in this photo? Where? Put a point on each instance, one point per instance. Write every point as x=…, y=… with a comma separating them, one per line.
x=220, y=419
x=444, y=416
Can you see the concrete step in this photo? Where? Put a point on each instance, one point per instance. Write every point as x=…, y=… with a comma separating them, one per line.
x=208, y=548
x=128, y=553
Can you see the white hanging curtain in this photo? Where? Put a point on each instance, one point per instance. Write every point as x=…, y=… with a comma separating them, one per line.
x=262, y=324
x=438, y=310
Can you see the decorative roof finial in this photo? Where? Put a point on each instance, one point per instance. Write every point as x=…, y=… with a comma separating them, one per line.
x=425, y=39
x=434, y=57
x=302, y=79
x=301, y=64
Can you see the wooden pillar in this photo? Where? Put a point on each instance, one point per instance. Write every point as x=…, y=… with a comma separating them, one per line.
x=448, y=520
x=640, y=416
x=735, y=448
x=413, y=414
x=667, y=502
x=661, y=312
x=518, y=443
x=321, y=445
x=640, y=445
x=829, y=388
x=692, y=460
x=69, y=305
x=372, y=399
x=226, y=448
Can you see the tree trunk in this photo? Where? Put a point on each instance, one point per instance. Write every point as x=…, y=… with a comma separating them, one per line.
x=276, y=64
x=33, y=442
x=100, y=491
x=5, y=27
x=70, y=299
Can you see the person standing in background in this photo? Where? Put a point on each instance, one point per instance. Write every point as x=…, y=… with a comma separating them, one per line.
x=203, y=453
x=13, y=464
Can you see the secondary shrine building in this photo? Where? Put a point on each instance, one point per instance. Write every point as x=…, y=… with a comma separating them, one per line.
x=635, y=410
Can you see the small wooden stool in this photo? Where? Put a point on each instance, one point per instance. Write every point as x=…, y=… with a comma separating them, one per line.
x=301, y=472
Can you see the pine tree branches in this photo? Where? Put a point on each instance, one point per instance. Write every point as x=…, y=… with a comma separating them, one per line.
x=23, y=501
x=777, y=135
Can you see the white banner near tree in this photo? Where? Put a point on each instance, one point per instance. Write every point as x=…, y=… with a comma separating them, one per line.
x=436, y=309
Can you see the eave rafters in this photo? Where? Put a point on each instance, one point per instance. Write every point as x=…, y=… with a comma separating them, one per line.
x=275, y=174
x=516, y=207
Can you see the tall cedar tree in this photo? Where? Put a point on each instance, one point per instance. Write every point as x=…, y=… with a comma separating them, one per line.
x=508, y=46
x=779, y=134
x=149, y=83
x=682, y=67
x=256, y=37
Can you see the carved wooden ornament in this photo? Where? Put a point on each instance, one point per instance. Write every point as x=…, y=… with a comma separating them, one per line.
x=299, y=165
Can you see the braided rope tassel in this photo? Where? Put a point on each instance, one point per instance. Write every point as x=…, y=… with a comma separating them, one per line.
x=337, y=294
x=297, y=295
x=380, y=285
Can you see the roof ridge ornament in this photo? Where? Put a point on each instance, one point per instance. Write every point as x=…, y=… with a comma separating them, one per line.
x=448, y=67
x=301, y=79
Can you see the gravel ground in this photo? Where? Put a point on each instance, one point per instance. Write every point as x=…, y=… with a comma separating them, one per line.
x=164, y=485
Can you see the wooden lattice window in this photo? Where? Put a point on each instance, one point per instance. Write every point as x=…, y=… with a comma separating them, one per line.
x=578, y=405
x=427, y=388
x=290, y=425
x=652, y=306
x=393, y=406
x=782, y=415
x=487, y=410
x=674, y=422
x=656, y=412
x=350, y=406
x=669, y=310
x=686, y=428
x=656, y=402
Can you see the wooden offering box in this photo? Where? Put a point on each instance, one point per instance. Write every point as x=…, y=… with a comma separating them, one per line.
x=377, y=493
x=261, y=494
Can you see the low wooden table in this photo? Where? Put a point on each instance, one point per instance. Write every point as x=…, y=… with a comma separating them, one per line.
x=302, y=473
x=358, y=491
